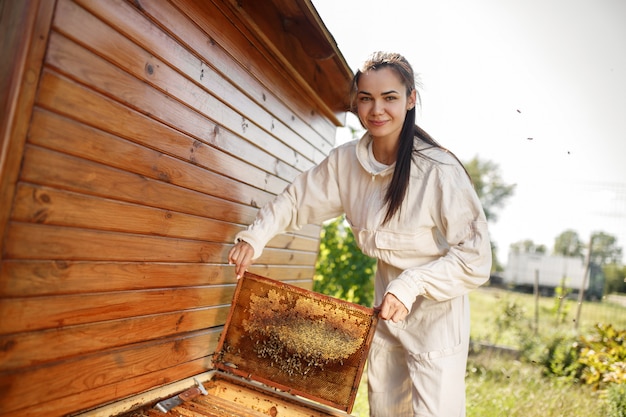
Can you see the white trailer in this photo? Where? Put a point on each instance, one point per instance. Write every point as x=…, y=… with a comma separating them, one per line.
x=551, y=271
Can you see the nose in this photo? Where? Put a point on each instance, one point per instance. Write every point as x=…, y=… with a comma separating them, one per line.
x=378, y=107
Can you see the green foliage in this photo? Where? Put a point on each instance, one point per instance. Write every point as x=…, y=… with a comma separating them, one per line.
x=616, y=399
x=597, y=360
x=527, y=246
x=496, y=266
x=571, y=369
x=490, y=188
x=511, y=319
x=561, y=307
x=568, y=244
x=561, y=359
x=342, y=270
x=615, y=278
x=603, y=357
x=604, y=249
x=488, y=302
x=492, y=192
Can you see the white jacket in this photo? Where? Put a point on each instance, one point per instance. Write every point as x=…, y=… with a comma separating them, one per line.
x=437, y=245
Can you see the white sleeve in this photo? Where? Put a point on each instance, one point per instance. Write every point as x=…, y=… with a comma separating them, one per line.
x=467, y=263
x=312, y=198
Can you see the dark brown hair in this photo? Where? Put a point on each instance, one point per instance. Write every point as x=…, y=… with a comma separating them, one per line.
x=402, y=173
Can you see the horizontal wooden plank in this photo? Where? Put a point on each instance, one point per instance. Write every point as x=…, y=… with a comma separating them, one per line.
x=133, y=385
x=50, y=312
x=38, y=347
x=41, y=242
x=57, y=132
x=292, y=40
x=300, y=275
x=26, y=278
x=253, y=55
x=286, y=257
x=100, y=38
x=59, y=170
x=295, y=243
x=87, y=106
x=262, y=87
x=45, y=205
x=197, y=112
x=129, y=156
x=294, y=34
x=35, y=241
x=102, y=371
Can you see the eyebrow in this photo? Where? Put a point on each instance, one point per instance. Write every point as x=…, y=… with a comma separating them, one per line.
x=382, y=94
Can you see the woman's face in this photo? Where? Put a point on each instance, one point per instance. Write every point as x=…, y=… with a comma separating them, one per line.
x=382, y=103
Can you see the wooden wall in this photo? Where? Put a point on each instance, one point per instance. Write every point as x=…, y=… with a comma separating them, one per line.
x=145, y=135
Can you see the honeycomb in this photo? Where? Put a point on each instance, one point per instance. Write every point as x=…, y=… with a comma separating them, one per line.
x=297, y=340
x=301, y=334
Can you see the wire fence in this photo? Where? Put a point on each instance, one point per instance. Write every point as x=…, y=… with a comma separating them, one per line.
x=505, y=317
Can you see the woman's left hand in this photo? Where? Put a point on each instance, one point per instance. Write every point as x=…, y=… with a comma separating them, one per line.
x=392, y=309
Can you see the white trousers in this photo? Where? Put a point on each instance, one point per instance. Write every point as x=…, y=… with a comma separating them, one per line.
x=416, y=368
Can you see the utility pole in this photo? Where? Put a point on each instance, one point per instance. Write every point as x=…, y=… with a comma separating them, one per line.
x=581, y=293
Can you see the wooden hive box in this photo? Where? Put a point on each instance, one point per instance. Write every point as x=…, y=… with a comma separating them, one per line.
x=285, y=351
x=137, y=137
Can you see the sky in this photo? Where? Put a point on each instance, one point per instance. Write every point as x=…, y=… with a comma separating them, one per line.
x=536, y=86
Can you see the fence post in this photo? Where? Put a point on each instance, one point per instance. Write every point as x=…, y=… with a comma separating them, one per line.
x=536, y=291
x=581, y=293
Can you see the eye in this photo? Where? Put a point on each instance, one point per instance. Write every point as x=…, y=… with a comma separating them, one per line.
x=391, y=98
x=365, y=98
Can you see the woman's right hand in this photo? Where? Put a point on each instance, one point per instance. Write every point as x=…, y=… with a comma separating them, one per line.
x=241, y=255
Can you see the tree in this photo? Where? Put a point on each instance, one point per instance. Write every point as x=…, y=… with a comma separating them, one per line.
x=492, y=192
x=605, y=253
x=615, y=276
x=604, y=249
x=568, y=244
x=342, y=270
x=491, y=189
x=527, y=246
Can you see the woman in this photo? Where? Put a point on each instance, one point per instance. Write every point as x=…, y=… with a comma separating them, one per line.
x=411, y=205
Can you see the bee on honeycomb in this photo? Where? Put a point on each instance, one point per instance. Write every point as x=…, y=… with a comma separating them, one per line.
x=298, y=335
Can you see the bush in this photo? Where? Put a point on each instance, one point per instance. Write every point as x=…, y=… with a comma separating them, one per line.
x=598, y=360
x=342, y=270
x=561, y=359
x=615, y=278
x=616, y=399
x=603, y=357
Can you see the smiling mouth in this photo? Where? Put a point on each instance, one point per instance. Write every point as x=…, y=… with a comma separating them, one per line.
x=378, y=122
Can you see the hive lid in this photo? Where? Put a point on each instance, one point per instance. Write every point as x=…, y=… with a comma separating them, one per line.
x=296, y=340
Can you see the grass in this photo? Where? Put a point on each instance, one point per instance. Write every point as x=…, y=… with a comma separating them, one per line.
x=499, y=385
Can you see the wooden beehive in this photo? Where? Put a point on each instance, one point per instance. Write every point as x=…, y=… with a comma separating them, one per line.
x=137, y=137
x=296, y=340
x=285, y=351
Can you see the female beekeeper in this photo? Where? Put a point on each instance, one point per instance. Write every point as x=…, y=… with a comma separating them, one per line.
x=411, y=205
